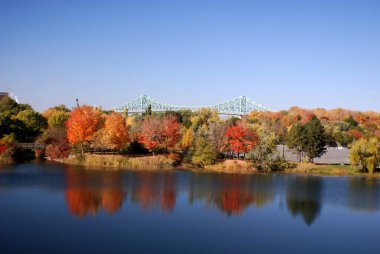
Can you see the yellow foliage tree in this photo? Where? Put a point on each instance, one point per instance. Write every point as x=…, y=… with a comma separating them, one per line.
x=187, y=138
x=366, y=153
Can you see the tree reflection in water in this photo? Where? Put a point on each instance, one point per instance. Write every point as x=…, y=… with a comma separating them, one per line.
x=153, y=190
x=304, y=197
x=364, y=194
x=86, y=192
x=232, y=194
x=168, y=199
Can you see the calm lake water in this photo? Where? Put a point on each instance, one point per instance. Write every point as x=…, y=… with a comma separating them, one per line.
x=49, y=208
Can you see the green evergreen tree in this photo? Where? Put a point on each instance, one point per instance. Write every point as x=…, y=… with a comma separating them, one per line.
x=316, y=139
x=309, y=139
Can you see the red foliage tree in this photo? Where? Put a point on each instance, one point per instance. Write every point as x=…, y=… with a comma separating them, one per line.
x=159, y=132
x=83, y=123
x=240, y=139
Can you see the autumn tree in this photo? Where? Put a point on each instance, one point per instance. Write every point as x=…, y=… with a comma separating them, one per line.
x=343, y=126
x=159, y=132
x=55, y=136
x=366, y=153
x=82, y=125
x=116, y=131
x=58, y=119
x=240, y=139
x=187, y=138
x=58, y=149
x=204, y=153
x=56, y=142
x=50, y=111
x=170, y=131
x=202, y=119
x=31, y=123
x=217, y=136
x=263, y=154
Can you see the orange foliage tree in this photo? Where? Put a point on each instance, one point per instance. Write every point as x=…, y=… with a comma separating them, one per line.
x=159, y=133
x=116, y=131
x=240, y=139
x=83, y=123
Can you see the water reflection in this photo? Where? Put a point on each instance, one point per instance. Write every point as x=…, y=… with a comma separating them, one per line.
x=153, y=190
x=232, y=194
x=363, y=194
x=188, y=212
x=88, y=192
x=303, y=197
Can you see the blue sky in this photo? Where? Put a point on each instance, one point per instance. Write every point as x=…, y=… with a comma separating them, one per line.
x=279, y=53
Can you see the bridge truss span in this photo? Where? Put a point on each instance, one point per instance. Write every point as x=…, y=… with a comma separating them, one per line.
x=238, y=106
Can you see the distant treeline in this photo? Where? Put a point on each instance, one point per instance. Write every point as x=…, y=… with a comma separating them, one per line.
x=197, y=138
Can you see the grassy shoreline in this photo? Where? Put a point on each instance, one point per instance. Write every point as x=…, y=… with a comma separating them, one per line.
x=327, y=170
x=118, y=162
x=161, y=162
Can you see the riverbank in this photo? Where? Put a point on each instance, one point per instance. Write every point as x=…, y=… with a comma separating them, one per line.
x=327, y=170
x=161, y=162
x=152, y=163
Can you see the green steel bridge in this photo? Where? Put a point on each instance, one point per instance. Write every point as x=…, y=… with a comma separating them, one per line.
x=239, y=106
